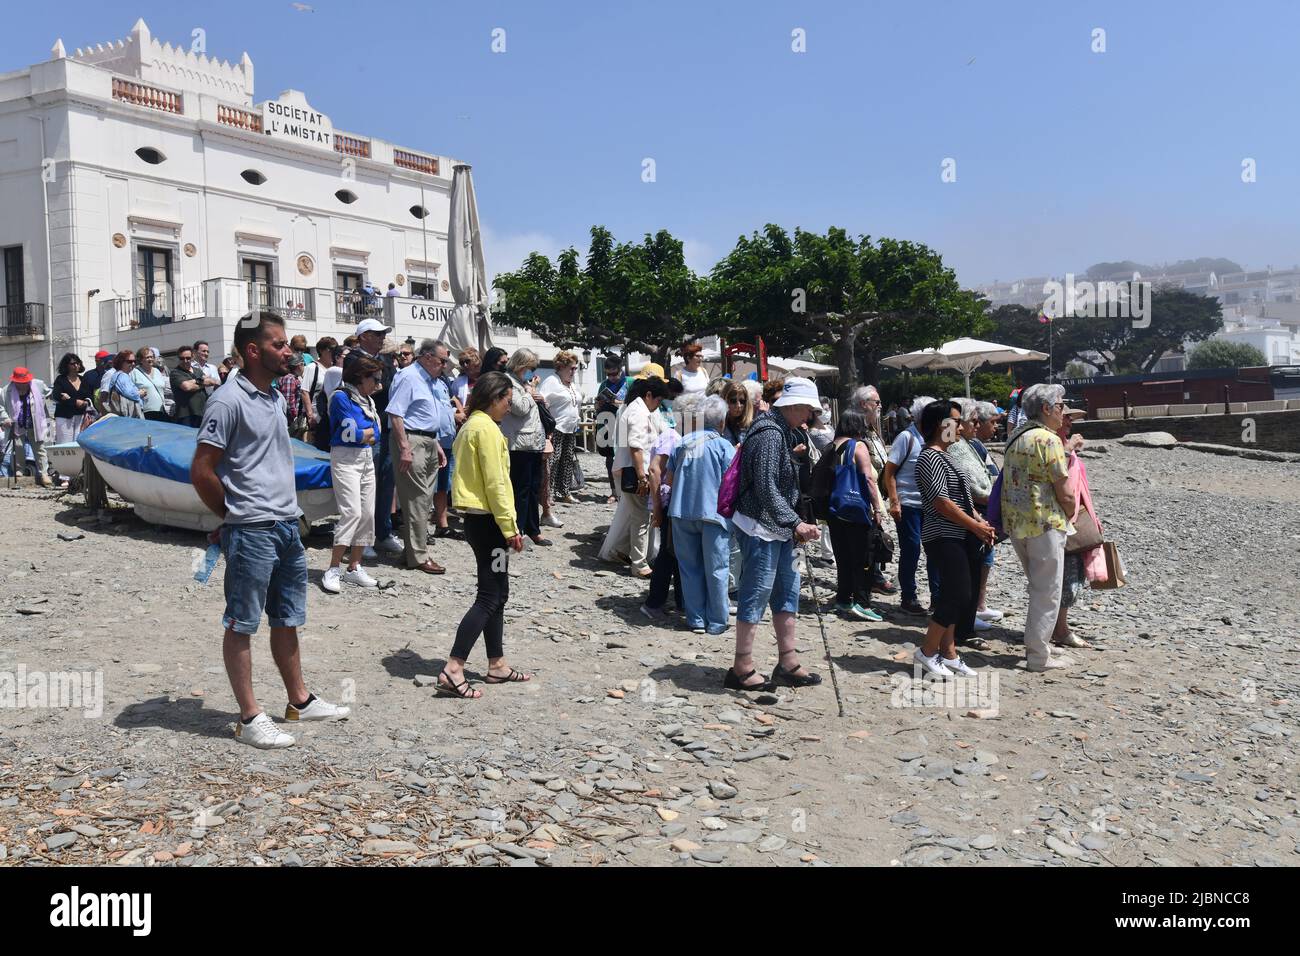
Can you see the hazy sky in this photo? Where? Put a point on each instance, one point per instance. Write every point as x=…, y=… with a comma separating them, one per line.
x=1064, y=156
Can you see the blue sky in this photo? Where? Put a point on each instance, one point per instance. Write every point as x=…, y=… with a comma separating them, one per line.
x=1063, y=156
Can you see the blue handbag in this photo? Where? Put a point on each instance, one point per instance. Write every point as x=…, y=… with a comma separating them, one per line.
x=848, y=503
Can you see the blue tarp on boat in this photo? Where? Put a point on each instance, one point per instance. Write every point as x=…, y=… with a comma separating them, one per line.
x=166, y=450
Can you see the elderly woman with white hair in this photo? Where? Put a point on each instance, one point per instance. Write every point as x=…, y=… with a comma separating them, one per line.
x=665, y=570
x=906, y=508
x=867, y=400
x=986, y=427
x=526, y=440
x=1037, y=502
x=701, y=536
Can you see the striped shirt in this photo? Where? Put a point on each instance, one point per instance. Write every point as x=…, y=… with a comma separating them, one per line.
x=937, y=478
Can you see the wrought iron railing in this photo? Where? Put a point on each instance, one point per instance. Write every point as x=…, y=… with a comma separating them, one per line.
x=23, y=320
x=355, y=305
x=297, y=304
x=163, y=306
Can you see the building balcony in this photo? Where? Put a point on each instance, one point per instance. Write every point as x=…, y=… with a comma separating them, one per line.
x=22, y=323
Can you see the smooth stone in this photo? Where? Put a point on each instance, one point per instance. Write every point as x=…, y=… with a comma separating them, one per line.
x=985, y=841
x=59, y=840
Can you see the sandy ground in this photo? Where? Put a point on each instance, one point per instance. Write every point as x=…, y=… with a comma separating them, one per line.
x=1172, y=742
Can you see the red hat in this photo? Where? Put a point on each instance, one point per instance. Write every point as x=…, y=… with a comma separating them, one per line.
x=101, y=354
x=20, y=376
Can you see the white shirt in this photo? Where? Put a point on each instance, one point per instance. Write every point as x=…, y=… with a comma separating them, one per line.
x=210, y=371
x=636, y=427
x=697, y=381
x=755, y=529
x=564, y=402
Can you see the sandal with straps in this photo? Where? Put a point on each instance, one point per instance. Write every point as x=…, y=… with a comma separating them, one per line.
x=461, y=690
x=733, y=682
x=514, y=677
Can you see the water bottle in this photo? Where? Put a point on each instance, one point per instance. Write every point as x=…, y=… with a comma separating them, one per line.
x=210, y=560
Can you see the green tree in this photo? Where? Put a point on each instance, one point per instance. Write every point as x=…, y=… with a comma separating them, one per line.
x=1217, y=353
x=634, y=296
x=1175, y=317
x=862, y=299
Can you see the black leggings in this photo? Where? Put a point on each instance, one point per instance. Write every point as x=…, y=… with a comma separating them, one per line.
x=958, y=563
x=665, y=571
x=486, y=615
x=851, y=544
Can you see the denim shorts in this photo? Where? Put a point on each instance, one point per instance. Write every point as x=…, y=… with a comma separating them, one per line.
x=266, y=570
x=768, y=577
x=444, y=474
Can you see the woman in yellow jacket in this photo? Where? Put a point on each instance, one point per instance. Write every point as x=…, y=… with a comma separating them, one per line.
x=481, y=490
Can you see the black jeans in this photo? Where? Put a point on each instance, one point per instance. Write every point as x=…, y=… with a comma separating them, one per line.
x=851, y=544
x=526, y=479
x=486, y=615
x=158, y=416
x=958, y=563
x=665, y=571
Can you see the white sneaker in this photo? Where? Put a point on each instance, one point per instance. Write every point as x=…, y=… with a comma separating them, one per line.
x=1057, y=662
x=934, y=666
x=982, y=625
x=550, y=521
x=391, y=545
x=317, y=710
x=330, y=581
x=262, y=734
x=988, y=614
x=359, y=578
x=731, y=610
x=369, y=554
x=958, y=667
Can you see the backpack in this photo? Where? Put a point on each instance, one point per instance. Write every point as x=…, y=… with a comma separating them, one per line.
x=729, y=490
x=847, y=502
x=993, y=511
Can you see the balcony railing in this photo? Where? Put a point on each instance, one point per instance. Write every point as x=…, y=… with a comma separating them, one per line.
x=240, y=119
x=150, y=97
x=351, y=145
x=421, y=164
x=296, y=304
x=355, y=305
x=24, y=320
x=162, y=306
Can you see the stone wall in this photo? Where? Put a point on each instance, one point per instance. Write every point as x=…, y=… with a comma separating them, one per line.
x=1272, y=431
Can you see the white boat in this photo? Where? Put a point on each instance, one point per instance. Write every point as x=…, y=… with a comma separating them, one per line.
x=148, y=464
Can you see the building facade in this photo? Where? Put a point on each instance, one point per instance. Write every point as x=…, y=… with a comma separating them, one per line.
x=149, y=200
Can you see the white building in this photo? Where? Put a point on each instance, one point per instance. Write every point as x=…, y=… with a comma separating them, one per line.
x=149, y=200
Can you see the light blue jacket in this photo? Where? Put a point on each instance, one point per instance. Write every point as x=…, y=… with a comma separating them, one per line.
x=697, y=467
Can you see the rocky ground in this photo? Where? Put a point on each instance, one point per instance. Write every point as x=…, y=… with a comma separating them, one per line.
x=1173, y=742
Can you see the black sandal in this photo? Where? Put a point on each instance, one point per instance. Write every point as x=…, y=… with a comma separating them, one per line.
x=783, y=678
x=514, y=677
x=732, y=682
x=461, y=690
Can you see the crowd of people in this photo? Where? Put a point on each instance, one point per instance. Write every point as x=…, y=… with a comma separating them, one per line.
x=726, y=493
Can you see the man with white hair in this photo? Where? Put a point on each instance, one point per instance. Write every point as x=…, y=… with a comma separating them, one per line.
x=905, y=507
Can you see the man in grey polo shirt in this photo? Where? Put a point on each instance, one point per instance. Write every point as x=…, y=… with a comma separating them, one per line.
x=243, y=470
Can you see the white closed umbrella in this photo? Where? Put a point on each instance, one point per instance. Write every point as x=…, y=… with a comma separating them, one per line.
x=469, y=325
x=965, y=355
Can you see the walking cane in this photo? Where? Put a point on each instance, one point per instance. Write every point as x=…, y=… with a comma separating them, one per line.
x=826, y=644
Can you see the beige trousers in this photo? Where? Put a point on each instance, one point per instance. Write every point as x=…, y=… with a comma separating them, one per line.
x=1043, y=558
x=415, y=492
x=629, y=532
x=353, y=473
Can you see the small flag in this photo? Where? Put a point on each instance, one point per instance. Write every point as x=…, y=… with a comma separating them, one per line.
x=1044, y=318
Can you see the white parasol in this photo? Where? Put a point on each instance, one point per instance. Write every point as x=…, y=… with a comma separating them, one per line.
x=965, y=355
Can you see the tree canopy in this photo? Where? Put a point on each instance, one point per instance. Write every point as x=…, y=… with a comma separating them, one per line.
x=633, y=296
x=1114, y=343
x=864, y=299
x=1217, y=353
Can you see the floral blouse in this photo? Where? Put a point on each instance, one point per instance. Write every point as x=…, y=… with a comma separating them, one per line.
x=1035, y=459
